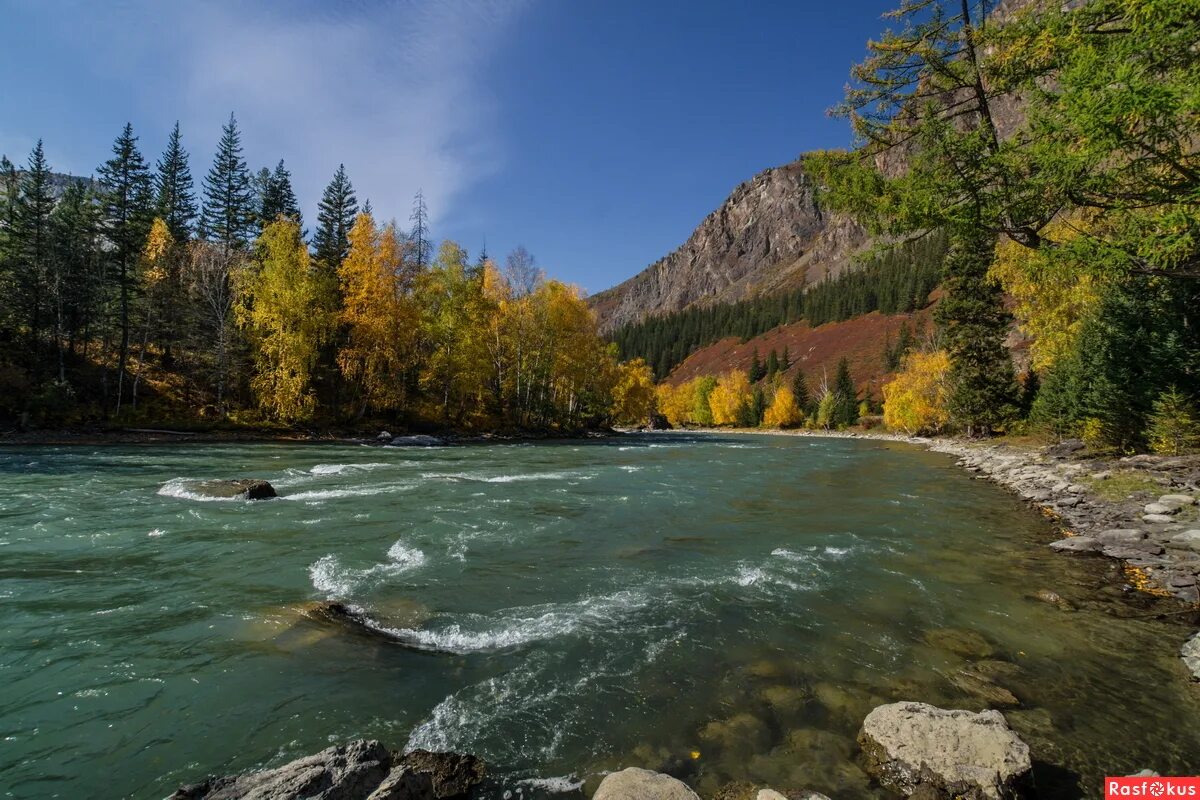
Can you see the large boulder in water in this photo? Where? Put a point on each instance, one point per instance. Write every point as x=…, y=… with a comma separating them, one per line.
x=245, y=488
x=359, y=770
x=642, y=784
x=911, y=746
x=417, y=440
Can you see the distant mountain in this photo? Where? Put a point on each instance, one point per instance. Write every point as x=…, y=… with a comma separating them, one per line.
x=769, y=234
x=59, y=182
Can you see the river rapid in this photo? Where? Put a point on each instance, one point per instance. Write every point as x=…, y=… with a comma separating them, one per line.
x=722, y=607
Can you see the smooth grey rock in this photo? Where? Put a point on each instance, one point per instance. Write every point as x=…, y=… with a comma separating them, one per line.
x=1191, y=656
x=1189, y=539
x=1157, y=519
x=1120, y=535
x=1157, y=509
x=1065, y=448
x=417, y=440
x=911, y=746
x=344, y=772
x=1076, y=544
x=403, y=783
x=244, y=488
x=1177, y=500
x=1133, y=551
x=642, y=784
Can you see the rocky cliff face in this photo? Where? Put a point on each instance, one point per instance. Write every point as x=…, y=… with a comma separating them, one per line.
x=769, y=234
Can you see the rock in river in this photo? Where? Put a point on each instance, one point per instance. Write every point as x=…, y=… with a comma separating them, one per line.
x=1191, y=655
x=245, y=488
x=642, y=784
x=417, y=440
x=358, y=770
x=915, y=746
x=960, y=641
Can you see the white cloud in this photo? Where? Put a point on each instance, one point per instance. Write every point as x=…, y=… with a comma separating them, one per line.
x=390, y=88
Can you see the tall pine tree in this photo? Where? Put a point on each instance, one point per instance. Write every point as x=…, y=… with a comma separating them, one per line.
x=175, y=196
x=335, y=217
x=418, y=237
x=846, y=409
x=278, y=197
x=229, y=214
x=31, y=247
x=127, y=213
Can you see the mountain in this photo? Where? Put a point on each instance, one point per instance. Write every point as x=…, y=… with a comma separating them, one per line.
x=769, y=234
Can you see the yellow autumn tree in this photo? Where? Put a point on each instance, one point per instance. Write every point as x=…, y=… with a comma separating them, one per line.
x=280, y=305
x=1051, y=302
x=917, y=399
x=633, y=394
x=378, y=315
x=728, y=396
x=674, y=403
x=156, y=259
x=783, y=412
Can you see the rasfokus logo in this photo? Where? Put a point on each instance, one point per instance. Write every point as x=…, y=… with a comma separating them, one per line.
x=1152, y=787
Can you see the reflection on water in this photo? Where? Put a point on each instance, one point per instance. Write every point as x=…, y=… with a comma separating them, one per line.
x=724, y=608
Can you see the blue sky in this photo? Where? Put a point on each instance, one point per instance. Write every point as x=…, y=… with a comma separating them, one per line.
x=596, y=133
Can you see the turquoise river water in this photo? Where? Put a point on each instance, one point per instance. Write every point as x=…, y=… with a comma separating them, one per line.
x=721, y=607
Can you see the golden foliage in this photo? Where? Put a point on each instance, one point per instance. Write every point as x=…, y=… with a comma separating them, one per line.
x=917, y=399
x=1051, y=302
x=633, y=394
x=378, y=314
x=730, y=394
x=783, y=411
x=675, y=403
x=285, y=312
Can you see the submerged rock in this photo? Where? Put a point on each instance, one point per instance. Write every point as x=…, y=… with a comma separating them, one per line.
x=1076, y=544
x=1053, y=598
x=355, y=620
x=642, y=784
x=915, y=746
x=245, y=488
x=981, y=687
x=960, y=641
x=358, y=770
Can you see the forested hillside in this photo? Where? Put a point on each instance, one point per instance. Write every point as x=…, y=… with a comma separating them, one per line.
x=137, y=297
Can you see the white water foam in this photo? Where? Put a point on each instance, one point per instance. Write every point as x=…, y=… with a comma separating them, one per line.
x=333, y=578
x=536, y=476
x=337, y=469
x=180, y=488
x=359, y=491
x=557, y=785
x=526, y=624
x=156, y=533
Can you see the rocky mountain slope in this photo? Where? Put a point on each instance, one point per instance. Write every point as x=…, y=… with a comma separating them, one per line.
x=769, y=234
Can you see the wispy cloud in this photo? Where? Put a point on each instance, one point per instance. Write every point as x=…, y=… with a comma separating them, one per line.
x=392, y=89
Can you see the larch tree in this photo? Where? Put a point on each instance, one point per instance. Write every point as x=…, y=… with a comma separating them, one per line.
x=377, y=315
x=229, y=214
x=729, y=397
x=278, y=306
x=175, y=196
x=127, y=214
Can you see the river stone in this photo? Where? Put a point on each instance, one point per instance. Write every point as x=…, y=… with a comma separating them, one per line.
x=978, y=686
x=771, y=794
x=1191, y=655
x=452, y=774
x=1187, y=539
x=1177, y=500
x=1076, y=544
x=642, y=784
x=344, y=772
x=1065, y=448
x=960, y=641
x=403, y=783
x=383, y=436
x=246, y=488
x=1121, y=535
x=1157, y=519
x=1156, y=509
x=1053, y=598
x=417, y=440
x=911, y=746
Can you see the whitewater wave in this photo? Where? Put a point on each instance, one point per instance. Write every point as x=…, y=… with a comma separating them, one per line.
x=357, y=491
x=522, y=625
x=337, y=580
x=181, y=488
x=338, y=469
x=533, y=476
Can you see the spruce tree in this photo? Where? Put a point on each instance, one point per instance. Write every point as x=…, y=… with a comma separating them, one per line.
x=278, y=197
x=10, y=184
x=785, y=360
x=229, y=213
x=800, y=392
x=772, y=363
x=335, y=217
x=975, y=325
x=757, y=370
x=175, y=201
x=418, y=237
x=127, y=212
x=31, y=246
x=846, y=410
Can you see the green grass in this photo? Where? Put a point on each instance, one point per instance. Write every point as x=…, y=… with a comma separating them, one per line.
x=1120, y=485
